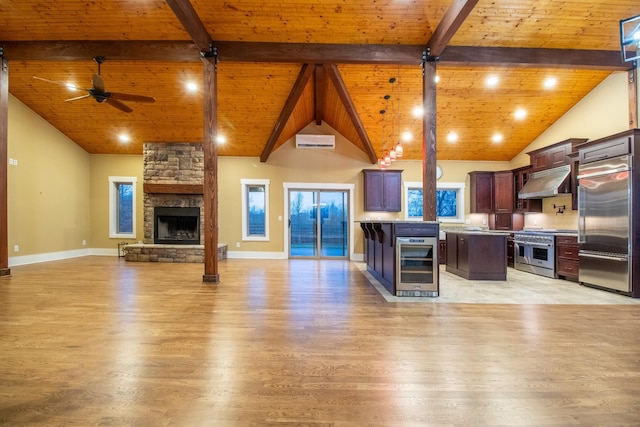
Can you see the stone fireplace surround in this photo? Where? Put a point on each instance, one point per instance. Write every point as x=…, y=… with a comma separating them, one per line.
x=173, y=176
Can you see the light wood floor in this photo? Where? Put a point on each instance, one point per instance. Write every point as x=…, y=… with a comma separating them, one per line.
x=96, y=341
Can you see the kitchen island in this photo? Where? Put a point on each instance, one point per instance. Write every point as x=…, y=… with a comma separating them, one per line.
x=403, y=255
x=477, y=255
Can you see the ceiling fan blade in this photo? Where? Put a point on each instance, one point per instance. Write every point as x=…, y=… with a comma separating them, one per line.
x=50, y=81
x=79, y=97
x=131, y=97
x=119, y=105
x=98, y=83
x=67, y=85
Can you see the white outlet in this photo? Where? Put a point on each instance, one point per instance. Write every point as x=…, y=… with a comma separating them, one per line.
x=467, y=221
x=279, y=217
x=237, y=244
x=484, y=221
x=84, y=243
x=16, y=248
x=15, y=162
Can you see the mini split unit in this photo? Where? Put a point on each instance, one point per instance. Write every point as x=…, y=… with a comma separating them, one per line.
x=316, y=141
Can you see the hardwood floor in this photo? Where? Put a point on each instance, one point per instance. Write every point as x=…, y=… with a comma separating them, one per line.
x=96, y=341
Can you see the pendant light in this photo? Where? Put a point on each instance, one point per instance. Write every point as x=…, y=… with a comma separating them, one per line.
x=385, y=159
x=398, y=148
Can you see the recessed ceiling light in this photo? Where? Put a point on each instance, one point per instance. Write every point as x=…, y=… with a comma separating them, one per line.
x=124, y=137
x=417, y=111
x=520, y=113
x=221, y=139
x=496, y=138
x=407, y=136
x=192, y=87
x=550, y=82
x=71, y=87
x=492, y=81
x=452, y=137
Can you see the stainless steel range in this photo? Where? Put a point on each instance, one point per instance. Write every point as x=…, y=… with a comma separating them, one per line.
x=534, y=252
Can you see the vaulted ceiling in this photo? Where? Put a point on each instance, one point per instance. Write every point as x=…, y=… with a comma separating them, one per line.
x=284, y=65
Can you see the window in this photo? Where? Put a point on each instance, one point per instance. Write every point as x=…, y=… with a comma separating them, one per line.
x=255, y=209
x=122, y=206
x=449, y=201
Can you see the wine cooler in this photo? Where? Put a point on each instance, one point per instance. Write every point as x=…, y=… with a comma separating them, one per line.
x=416, y=266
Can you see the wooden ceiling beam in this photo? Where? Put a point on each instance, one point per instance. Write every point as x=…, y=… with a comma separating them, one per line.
x=186, y=14
x=343, y=93
x=320, y=53
x=449, y=25
x=171, y=51
x=320, y=78
x=532, y=58
x=187, y=51
x=306, y=72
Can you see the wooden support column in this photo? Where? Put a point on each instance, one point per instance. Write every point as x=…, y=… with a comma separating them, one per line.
x=429, y=140
x=210, y=99
x=633, y=98
x=4, y=161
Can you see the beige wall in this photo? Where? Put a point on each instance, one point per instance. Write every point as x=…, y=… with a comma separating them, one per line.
x=58, y=194
x=48, y=190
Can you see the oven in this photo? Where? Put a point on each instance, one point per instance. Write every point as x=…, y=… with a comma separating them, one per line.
x=416, y=266
x=534, y=253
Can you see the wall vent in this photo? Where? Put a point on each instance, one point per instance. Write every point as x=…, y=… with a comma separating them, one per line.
x=316, y=141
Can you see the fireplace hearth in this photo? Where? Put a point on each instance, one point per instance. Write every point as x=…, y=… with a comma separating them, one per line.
x=176, y=225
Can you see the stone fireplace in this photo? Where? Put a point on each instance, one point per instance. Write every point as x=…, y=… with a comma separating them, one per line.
x=173, y=205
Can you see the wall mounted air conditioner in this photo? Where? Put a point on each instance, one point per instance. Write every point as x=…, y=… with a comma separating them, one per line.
x=316, y=141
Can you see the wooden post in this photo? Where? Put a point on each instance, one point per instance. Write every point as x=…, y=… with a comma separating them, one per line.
x=429, y=140
x=210, y=99
x=4, y=161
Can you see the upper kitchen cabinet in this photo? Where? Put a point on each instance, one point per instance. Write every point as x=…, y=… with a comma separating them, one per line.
x=503, y=192
x=382, y=190
x=481, y=192
x=553, y=155
x=520, y=178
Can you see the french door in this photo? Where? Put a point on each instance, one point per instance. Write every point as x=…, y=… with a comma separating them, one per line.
x=318, y=223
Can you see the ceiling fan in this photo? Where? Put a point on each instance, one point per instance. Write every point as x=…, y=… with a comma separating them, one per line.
x=98, y=92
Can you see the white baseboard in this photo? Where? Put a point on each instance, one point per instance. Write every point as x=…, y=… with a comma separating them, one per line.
x=255, y=255
x=56, y=256
x=46, y=257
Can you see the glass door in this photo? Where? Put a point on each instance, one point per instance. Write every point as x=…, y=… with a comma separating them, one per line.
x=318, y=224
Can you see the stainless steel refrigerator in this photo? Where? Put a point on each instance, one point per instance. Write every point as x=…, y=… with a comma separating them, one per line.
x=604, y=221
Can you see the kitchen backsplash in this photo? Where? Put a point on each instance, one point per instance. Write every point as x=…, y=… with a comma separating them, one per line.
x=550, y=216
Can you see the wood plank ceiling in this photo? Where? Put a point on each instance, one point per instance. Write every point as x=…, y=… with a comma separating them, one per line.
x=262, y=47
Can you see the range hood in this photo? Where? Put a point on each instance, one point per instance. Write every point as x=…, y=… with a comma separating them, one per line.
x=544, y=183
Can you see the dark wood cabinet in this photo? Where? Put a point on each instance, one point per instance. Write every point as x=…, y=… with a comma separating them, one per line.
x=567, y=262
x=477, y=256
x=481, y=192
x=573, y=161
x=506, y=221
x=550, y=157
x=614, y=147
x=442, y=254
x=503, y=191
x=382, y=190
x=520, y=178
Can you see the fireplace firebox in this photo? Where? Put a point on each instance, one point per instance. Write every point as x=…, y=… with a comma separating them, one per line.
x=176, y=225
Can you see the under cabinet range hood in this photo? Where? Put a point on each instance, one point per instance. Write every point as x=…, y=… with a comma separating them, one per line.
x=544, y=183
